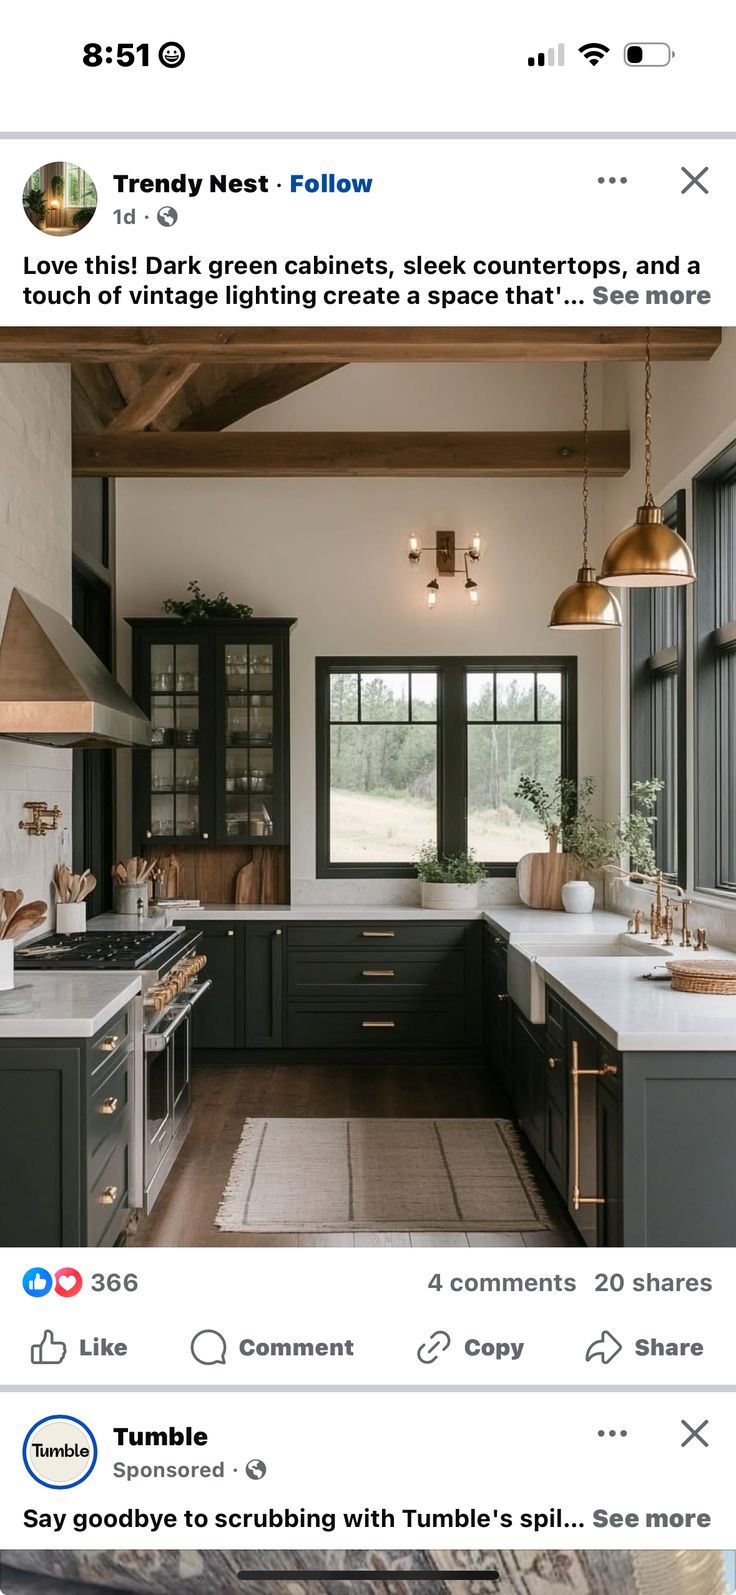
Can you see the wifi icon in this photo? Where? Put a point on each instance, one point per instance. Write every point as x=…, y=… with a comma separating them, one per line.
x=594, y=52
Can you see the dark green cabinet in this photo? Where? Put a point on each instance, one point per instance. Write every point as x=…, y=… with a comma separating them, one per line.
x=610, y=1162
x=218, y=1019
x=264, y=985
x=217, y=772
x=497, y=1009
x=66, y=1138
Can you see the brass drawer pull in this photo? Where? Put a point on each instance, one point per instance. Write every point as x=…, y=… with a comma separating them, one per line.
x=378, y=974
x=110, y=1105
x=379, y=1024
x=502, y=996
x=107, y=1197
x=109, y=1043
x=231, y=933
x=577, y=1075
x=553, y=1062
x=388, y=933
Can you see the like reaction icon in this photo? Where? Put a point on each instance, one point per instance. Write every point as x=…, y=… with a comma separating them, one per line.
x=37, y=1282
x=48, y=1350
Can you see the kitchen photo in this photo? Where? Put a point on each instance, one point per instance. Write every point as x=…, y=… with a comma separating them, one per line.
x=371, y=1572
x=368, y=788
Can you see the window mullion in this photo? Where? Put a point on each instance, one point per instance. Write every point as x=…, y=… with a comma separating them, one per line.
x=452, y=772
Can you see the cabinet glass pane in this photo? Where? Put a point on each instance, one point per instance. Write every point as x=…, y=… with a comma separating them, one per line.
x=175, y=751
x=249, y=775
x=260, y=667
x=162, y=667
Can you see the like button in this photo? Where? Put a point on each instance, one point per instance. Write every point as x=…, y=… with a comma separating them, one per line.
x=48, y=1350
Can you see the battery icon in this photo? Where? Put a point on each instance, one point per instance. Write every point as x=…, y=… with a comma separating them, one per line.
x=652, y=54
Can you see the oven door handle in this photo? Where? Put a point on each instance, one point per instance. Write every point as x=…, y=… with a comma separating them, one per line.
x=155, y=1040
x=193, y=996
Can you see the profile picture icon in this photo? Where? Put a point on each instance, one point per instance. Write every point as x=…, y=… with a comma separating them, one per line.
x=60, y=199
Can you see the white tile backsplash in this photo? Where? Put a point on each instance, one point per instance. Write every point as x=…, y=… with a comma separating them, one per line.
x=393, y=893
x=35, y=554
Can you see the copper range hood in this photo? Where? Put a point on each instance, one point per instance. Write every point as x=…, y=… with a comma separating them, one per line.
x=54, y=689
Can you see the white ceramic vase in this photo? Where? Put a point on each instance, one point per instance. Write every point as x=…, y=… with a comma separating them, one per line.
x=7, y=973
x=436, y=894
x=71, y=918
x=578, y=897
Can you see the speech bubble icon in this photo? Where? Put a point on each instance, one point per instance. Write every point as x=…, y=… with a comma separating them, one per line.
x=208, y=1347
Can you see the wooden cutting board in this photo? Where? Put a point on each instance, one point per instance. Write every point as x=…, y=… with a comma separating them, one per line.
x=540, y=878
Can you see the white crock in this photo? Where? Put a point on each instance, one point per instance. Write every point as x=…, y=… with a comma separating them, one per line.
x=7, y=976
x=578, y=897
x=71, y=918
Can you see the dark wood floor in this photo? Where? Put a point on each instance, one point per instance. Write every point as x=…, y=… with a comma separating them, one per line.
x=225, y=1095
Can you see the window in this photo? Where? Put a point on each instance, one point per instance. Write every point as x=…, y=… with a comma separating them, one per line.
x=715, y=674
x=426, y=750
x=658, y=704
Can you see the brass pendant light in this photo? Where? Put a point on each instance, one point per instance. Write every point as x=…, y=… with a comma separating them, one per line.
x=586, y=604
x=649, y=553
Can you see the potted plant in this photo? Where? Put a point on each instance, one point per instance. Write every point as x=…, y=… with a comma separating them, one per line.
x=448, y=882
x=201, y=607
x=34, y=205
x=591, y=841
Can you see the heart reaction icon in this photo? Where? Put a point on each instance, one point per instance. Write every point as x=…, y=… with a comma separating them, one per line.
x=67, y=1282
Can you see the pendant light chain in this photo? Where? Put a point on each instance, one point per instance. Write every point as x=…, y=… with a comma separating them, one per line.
x=648, y=497
x=586, y=461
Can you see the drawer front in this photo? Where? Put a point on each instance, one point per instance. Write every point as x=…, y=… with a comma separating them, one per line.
x=377, y=936
x=108, y=1202
x=368, y=978
x=555, y=1021
x=109, y=1041
x=388, y=1027
x=108, y=1112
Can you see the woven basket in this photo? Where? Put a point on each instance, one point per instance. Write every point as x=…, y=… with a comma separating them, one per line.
x=714, y=977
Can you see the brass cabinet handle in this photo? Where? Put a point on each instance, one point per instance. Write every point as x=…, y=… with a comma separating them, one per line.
x=149, y=834
x=378, y=974
x=231, y=933
x=577, y=1074
x=388, y=933
x=499, y=941
x=107, y=1197
x=277, y=933
x=205, y=836
x=379, y=1024
x=502, y=996
x=109, y=1043
x=553, y=1062
x=109, y=1105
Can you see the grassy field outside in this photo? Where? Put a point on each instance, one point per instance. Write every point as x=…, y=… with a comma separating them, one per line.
x=383, y=830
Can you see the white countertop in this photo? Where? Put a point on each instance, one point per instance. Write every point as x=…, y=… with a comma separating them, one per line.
x=637, y=1015
x=520, y=923
x=513, y=920
x=69, y=1005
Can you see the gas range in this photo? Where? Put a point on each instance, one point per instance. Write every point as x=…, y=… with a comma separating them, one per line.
x=103, y=949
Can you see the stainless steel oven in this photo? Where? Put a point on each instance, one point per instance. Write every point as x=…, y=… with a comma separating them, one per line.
x=167, y=1060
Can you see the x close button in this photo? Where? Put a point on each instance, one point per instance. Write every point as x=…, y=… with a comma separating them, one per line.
x=695, y=1434
x=694, y=181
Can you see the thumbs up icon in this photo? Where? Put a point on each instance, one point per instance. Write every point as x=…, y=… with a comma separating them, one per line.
x=48, y=1350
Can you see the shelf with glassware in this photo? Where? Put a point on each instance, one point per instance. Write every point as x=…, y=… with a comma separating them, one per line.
x=217, y=695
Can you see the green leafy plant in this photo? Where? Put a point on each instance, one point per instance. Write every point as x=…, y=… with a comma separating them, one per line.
x=200, y=607
x=82, y=216
x=57, y=185
x=36, y=204
x=457, y=869
x=565, y=812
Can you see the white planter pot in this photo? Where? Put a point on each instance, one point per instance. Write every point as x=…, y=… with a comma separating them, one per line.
x=7, y=975
x=435, y=895
x=578, y=897
x=71, y=918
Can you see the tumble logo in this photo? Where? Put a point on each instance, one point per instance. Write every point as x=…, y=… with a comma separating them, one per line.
x=59, y=1451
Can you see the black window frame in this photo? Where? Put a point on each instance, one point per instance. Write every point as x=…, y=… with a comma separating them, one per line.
x=648, y=664
x=713, y=640
x=451, y=745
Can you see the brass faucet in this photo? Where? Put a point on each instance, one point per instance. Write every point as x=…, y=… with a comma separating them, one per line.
x=660, y=912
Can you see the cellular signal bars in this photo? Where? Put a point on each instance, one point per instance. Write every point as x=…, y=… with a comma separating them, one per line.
x=550, y=57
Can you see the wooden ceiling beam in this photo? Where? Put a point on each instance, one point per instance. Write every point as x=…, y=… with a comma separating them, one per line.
x=282, y=454
x=153, y=396
x=340, y=345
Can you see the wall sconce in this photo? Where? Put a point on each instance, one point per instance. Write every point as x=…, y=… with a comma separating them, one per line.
x=446, y=553
x=42, y=819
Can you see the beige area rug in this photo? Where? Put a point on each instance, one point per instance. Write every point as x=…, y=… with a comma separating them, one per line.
x=314, y=1175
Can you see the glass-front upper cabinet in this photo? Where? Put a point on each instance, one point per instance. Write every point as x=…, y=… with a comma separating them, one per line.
x=217, y=696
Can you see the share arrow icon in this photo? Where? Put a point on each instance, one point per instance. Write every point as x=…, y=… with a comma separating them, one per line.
x=607, y=1347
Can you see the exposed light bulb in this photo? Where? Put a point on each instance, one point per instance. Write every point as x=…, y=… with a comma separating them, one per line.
x=433, y=588
x=475, y=548
x=471, y=589
x=414, y=547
